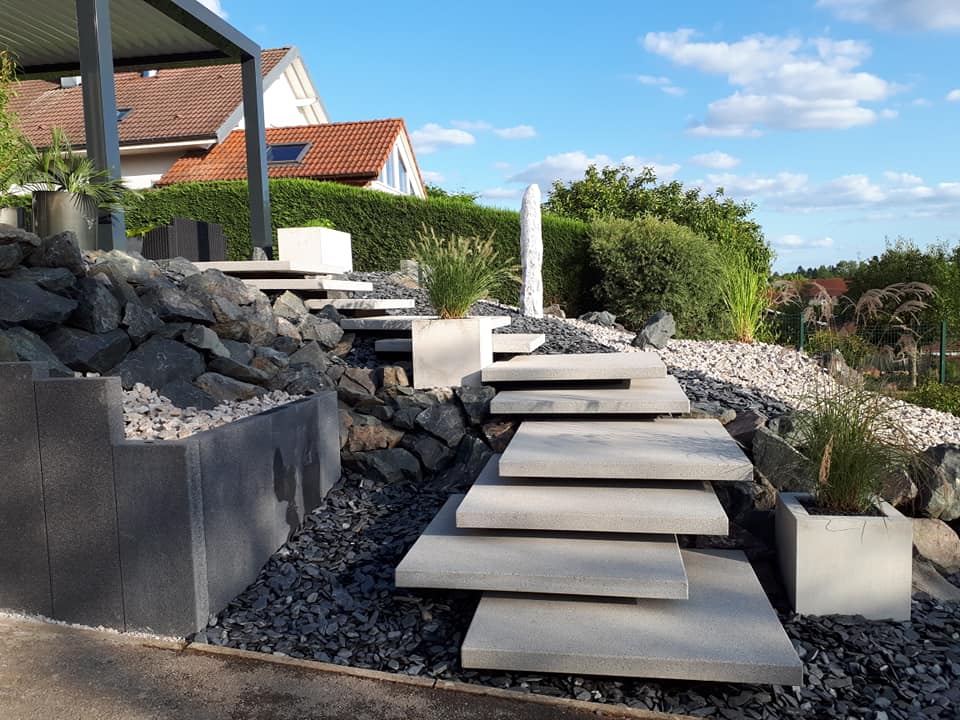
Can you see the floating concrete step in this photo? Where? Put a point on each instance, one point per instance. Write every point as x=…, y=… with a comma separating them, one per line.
x=662, y=449
x=503, y=343
x=607, y=565
x=725, y=632
x=617, y=506
x=308, y=284
x=403, y=323
x=268, y=268
x=645, y=396
x=586, y=367
x=362, y=304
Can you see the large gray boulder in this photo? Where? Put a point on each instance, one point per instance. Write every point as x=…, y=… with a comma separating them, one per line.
x=140, y=322
x=157, y=362
x=658, y=330
x=444, y=422
x=10, y=235
x=939, y=482
x=602, y=318
x=389, y=466
x=326, y=332
x=29, y=347
x=132, y=268
x=56, y=280
x=11, y=256
x=98, y=310
x=203, y=338
x=174, y=305
x=938, y=543
x=226, y=389
x=780, y=463
x=213, y=283
x=185, y=394
x=33, y=307
x=290, y=307
x=238, y=371
x=88, y=352
x=58, y=251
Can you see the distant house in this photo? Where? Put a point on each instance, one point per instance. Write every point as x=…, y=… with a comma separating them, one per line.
x=173, y=124
x=376, y=154
x=834, y=287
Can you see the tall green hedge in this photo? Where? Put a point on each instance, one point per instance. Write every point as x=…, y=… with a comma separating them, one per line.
x=382, y=225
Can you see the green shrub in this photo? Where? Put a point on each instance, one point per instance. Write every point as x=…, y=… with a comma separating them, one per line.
x=382, y=225
x=855, y=350
x=649, y=264
x=320, y=223
x=458, y=271
x=742, y=295
x=945, y=398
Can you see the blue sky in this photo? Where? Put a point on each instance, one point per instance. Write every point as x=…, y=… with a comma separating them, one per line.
x=834, y=116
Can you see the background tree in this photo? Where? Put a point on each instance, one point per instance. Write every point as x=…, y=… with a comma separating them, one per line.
x=468, y=198
x=13, y=147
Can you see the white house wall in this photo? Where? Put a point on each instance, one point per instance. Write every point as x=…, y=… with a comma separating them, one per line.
x=141, y=170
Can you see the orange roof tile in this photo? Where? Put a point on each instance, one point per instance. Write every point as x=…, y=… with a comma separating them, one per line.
x=347, y=151
x=177, y=104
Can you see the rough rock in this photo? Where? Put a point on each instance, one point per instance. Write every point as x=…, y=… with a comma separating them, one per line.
x=290, y=307
x=937, y=542
x=356, y=385
x=178, y=267
x=174, y=305
x=744, y=426
x=939, y=482
x=28, y=347
x=499, y=434
x=658, y=330
x=472, y=456
x=11, y=256
x=928, y=580
x=133, y=268
x=310, y=354
x=88, y=352
x=391, y=465
x=34, y=308
x=213, y=283
x=326, y=332
x=261, y=322
x=185, y=394
x=140, y=322
x=225, y=389
x=531, y=253
x=780, y=463
x=61, y=250
x=444, y=422
x=230, y=320
x=554, y=311
x=476, y=402
x=285, y=344
x=232, y=369
x=433, y=454
x=287, y=329
x=203, y=338
x=7, y=353
x=241, y=352
x=98, y=310
x=121, y=289
x=10, y=235
x=369, y=433
x=157, y=362
x=330, y=313
x=56, y=280
x=604, y=318
x=300, y=380
x=899, y=489
x=393, y=376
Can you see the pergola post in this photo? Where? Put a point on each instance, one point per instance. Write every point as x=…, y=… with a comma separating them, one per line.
x=256, y=141
x=100, y=107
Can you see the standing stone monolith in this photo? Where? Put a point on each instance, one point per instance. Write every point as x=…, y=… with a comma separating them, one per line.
x=531, y=254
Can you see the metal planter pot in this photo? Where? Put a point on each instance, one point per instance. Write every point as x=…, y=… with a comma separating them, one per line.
x=55, y=211
x=10, y=216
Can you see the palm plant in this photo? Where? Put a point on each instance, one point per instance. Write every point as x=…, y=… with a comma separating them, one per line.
x=743, y=294
x=460, y=270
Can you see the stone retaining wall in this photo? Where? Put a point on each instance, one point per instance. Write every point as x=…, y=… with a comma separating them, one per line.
x=153, y=536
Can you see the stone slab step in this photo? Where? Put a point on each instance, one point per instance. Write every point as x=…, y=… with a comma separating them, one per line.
x=268, y=267
x=503, y=343
x=309, y=284
x=617, y=506
x=662, y=449
x=403, y=323
x=725, y=632
x=644, y=396
x=586, y=367
x=362, y=304
x=566, y=563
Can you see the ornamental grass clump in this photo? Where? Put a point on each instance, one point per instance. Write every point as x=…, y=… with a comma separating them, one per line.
x=460, y=270
x=856, y=442
x=743, y=296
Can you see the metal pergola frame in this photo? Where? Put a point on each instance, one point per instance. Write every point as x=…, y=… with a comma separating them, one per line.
x=96, y=65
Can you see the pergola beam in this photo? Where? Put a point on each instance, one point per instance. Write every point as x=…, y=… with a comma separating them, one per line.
x=258, y=189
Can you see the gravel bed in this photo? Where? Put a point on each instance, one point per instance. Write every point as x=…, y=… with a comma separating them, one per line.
x=147, y=415
x=328, y=595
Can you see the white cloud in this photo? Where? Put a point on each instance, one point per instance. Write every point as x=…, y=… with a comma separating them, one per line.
x=432, y=176
x=921, y=102
x=897, y=14
x=501, y=193
x=432, y=136
x=518, y=132
x=715, y=160
x=902, y=178
x=471, y=124
x=785, y=83
x=673, y=90
x=796, y=241
x=664, y=83
x=501, y=165
x=570, y=166
x=215, y=7
x=953, y=96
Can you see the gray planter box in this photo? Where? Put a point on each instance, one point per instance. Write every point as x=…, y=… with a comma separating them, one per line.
x=151, y=536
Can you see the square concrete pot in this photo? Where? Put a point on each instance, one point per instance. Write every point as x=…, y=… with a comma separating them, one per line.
x=845, y=565
x=451, y=353
x=308, y=247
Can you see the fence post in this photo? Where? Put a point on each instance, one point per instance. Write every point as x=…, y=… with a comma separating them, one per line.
x=802, y=337
x=943, y=352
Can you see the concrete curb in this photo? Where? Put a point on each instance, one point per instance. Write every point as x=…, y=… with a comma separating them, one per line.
x=615, y=712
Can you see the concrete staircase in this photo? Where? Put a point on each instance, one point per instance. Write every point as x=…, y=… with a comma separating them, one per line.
x=571, y=534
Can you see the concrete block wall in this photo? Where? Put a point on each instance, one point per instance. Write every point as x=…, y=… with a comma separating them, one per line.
x=154, y=536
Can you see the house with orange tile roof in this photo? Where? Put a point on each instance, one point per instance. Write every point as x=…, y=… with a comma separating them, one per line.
x=186, y=124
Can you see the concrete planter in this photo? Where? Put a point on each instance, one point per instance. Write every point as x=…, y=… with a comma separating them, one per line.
x=10, y=216
x=311, y=246
x=451, y=353
x=56, y=212
x=845, y=565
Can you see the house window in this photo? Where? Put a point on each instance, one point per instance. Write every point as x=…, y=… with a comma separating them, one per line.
x=286, y=153
x=390, y=169
x=402, y=185
x=122, y=113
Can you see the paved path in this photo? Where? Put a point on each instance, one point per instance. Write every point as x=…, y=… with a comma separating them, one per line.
x=52, y=672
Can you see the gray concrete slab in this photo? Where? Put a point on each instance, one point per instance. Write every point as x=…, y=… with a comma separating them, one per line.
x=664, y=449
x=362, y=303
x=604, y=565
x=403, y=323
x=503, y=344
x=80, y=419
x=268, y=267
x=586, y=367
x=645, y=396
x=24, y=563
x=617, y=506
x=309, y=284
x=725, y=632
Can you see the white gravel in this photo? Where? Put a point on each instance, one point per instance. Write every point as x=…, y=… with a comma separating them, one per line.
x=773, y=371
x=148, y=415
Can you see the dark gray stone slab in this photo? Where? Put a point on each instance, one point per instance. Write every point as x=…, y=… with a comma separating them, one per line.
x=80, y=419
x=162, y=545
x=24, y=564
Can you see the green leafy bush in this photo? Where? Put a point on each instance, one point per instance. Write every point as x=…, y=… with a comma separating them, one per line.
x=650, y=264
x=382, y=225
x=855, y=350
x=458, y=271
x=945, y=398
x=319, y=222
